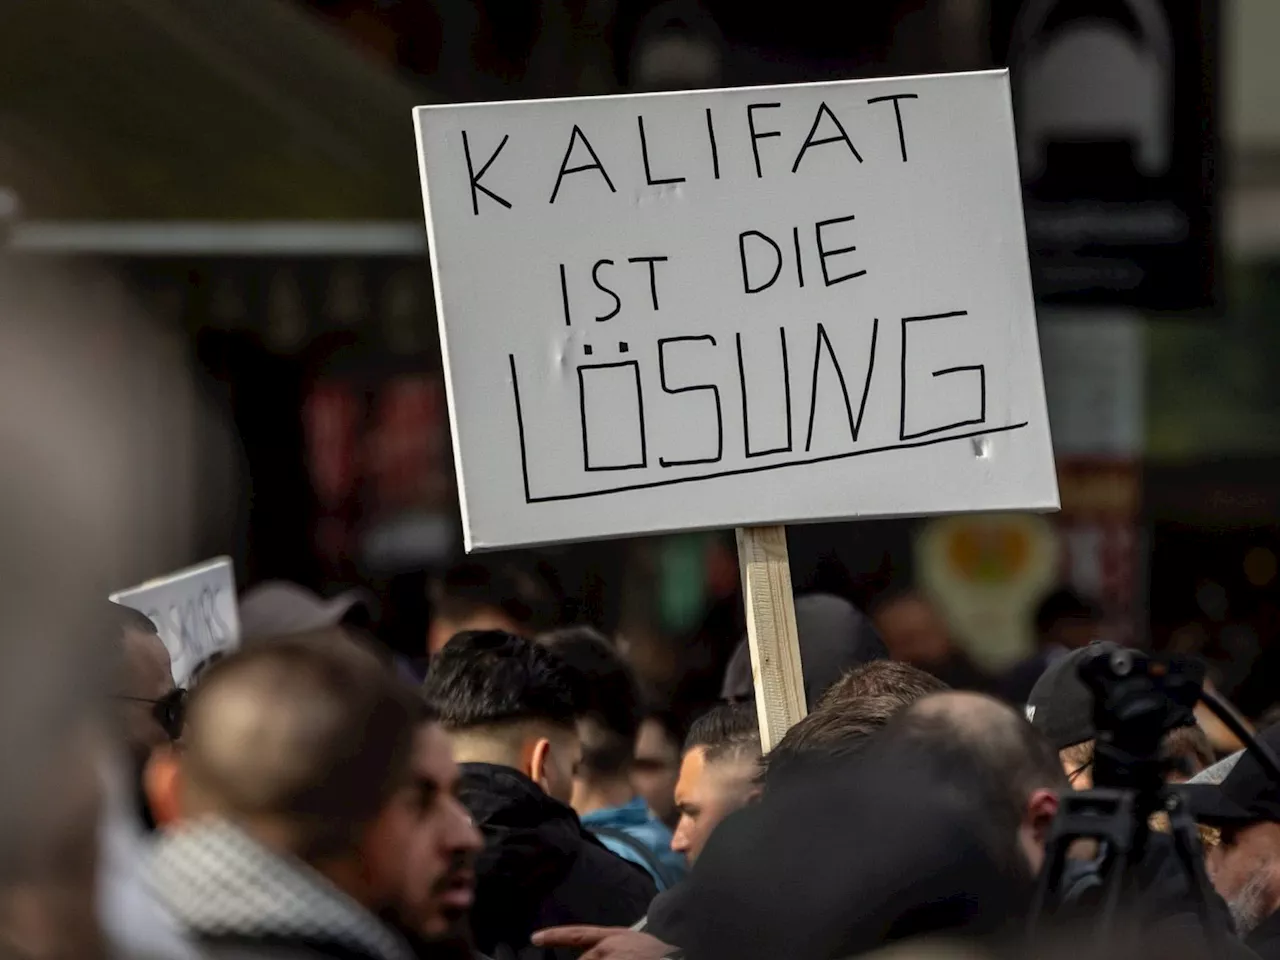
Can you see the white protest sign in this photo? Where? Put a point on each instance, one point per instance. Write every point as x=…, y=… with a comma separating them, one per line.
x=194, y=610
x=735, y=307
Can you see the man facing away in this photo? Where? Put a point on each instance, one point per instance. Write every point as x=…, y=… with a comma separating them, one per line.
x=603, y=791
x=511, y=707
x=298, y=803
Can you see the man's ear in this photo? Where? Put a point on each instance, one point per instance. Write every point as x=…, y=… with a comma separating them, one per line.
x=535, y=757
x=162, y=784
x=1042, y=808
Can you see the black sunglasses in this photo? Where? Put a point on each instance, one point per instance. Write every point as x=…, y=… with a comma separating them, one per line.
x=168, y=711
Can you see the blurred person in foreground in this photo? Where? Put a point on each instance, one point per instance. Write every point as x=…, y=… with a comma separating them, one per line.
x=1244, y=865
x=657, y=763
x=931, y=830
x=834, y=636
x=100, y=430
x=511, y=707
x=484, y=596
x=1060, y=706
x=301, y=787
x=914, y=632
x=603, y=793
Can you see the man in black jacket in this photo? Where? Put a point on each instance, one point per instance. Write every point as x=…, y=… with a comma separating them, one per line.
x=512, y=708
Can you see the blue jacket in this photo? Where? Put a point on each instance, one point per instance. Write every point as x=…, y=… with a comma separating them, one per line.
x=635, y=834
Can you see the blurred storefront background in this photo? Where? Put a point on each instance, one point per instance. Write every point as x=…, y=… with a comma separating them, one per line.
x=262, y=198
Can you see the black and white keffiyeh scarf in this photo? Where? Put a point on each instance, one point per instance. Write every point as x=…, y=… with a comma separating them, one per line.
x=219, y=883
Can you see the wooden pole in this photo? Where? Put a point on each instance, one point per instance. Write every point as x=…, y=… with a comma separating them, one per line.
x=771, y=630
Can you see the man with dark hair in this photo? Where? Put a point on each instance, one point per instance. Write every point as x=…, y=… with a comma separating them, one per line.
x=915, y=632
x=1061, y=707
x=300, y=799
x=512, y=706
x=657, y=763
x=860, y=704
x=717, y=774
x=1064, y=621
x=881, y=678
x=603, y=794
x=475, y=596
x=440, y=877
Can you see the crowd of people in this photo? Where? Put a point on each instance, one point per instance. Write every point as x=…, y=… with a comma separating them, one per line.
x=511, y=797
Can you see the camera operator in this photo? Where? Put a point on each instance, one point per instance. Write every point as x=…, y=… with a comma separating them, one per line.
x=1244, y=864
x=1061, y=707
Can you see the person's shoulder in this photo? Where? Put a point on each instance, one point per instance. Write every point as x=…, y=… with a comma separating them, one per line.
x=603, y=875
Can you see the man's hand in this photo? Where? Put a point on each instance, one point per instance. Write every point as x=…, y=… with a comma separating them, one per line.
x=605, y=943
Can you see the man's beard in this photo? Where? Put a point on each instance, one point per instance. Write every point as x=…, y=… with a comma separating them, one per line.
x=1249, y=906
x=454, y=944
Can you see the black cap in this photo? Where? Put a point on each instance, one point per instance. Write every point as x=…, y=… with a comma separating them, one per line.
x=1246, y=795
x=1061, y=704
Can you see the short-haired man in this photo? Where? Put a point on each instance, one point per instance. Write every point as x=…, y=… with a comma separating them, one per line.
x=299, y=802
x=476, y=596
x=512, y=706
x=1061, y=708
x=603, y=793
x=1244, y=865
x=657, y=763
x=858, y=705
x=717, y=774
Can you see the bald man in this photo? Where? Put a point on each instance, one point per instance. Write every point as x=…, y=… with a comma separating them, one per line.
x=300, y=798
x=1011, y=765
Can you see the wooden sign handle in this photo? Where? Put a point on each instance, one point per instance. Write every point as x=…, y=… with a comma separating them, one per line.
x=771, y=630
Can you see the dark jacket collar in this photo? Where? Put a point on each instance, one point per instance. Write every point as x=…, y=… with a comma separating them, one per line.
x=1265, y=938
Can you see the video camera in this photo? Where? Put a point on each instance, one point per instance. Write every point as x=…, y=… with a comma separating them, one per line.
x=1137, y=699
